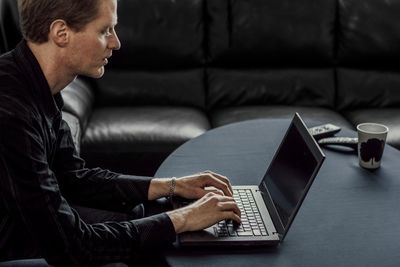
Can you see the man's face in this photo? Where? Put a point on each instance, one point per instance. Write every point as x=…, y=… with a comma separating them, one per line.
x=90, y=48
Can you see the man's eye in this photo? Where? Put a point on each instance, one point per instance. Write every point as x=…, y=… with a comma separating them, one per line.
x=106, y=31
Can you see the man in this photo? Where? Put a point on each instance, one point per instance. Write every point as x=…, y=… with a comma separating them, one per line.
x=40, y=172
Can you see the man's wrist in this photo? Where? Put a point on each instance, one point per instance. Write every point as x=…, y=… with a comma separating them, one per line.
x=178, y=218
x=159, y=187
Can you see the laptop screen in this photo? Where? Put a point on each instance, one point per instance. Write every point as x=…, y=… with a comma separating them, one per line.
x=289, y=174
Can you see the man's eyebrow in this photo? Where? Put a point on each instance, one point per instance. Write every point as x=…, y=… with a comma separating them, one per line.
x=112, y=25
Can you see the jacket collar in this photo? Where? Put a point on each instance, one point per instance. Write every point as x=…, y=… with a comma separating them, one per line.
x=51, y=104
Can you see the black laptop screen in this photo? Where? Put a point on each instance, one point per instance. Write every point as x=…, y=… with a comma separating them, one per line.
x=289, y=174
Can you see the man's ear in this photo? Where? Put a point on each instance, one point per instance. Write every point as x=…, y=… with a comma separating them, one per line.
x=59, y=32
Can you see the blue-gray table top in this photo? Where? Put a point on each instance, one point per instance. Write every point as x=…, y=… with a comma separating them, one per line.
x=350, y=217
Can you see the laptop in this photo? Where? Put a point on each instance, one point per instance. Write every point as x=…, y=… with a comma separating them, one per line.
x=269, y=209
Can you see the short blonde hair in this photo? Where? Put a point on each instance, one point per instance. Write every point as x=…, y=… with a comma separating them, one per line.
x=36, y=16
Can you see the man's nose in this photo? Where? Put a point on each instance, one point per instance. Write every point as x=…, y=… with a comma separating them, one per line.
x=114, y=42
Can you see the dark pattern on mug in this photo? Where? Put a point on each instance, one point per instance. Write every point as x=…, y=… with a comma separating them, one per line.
x=372, y=149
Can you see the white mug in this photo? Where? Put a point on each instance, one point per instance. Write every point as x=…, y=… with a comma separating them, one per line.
x=371, y=143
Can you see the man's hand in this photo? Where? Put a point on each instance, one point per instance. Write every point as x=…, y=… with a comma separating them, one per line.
x=211, y=207
x=191, y=186
x=205, y=212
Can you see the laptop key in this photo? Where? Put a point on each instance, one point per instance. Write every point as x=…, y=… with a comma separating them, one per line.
x=263, y=232
x=232, y=231
x=247, y=233
x=257, y=232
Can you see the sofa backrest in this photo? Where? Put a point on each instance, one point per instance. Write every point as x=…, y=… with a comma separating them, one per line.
x=9, y=25
x=368, y=54
x=252, y=51
x=271, y=52
x=161, y=60
x=216, y=53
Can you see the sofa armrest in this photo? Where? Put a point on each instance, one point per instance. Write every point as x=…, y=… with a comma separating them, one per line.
x=78, y=100
x=76, y=132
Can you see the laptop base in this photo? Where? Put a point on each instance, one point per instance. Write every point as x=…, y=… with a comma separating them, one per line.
x=210, y=236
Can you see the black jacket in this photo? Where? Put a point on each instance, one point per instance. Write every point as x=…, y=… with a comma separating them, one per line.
x=40, y=173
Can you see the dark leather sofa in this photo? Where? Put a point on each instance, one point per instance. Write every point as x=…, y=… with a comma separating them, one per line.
x=187, y=66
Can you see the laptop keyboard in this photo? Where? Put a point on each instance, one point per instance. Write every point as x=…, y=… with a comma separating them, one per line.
x=252, y=224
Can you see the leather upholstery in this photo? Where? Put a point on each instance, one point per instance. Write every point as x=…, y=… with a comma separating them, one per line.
x=367, y=88
x=368, y=34
x=3, y=35
x=186, y=66
x=309, y=114
x=368, y=54
x=254, y=33
x=271, y=52
x=9, y=25
x=136, y=132
x=160, y=34
x=132, y=88
x=74, y=125
x=308, y=87
x=78, y=100
x=143, y=128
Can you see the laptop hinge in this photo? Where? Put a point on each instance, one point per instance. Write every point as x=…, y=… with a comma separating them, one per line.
x=272, y=212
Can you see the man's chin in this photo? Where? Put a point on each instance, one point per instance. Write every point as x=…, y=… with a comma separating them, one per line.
x=95, y=74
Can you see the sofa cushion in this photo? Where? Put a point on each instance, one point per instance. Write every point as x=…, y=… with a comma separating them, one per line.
x=369, y=33
x=303, y=87
x=271, y=53
x=124, y=138
x=359, y=88
x=368, y=54
x=133, y=88
x=311, y=115
x=159, y=34
x=367, y=88
x=143, y=128
x=387, y=116
x=161, y=57
x=251, y=33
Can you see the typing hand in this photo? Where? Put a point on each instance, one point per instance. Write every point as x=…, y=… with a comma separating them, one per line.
x=205, y=212
x=198, y=185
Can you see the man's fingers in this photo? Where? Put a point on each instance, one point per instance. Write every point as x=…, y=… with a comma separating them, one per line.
x=229, y=206
x=222, y=178
x=224, y=203
x=214, y=191
x=230, y=215
x=219, y=184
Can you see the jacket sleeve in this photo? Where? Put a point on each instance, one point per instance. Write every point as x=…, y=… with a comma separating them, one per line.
x=95, y=187
x=31, y=188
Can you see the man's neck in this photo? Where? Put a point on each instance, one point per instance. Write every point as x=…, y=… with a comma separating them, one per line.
x=50, y=62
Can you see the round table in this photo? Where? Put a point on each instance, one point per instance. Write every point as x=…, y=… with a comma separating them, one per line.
x=350, y=216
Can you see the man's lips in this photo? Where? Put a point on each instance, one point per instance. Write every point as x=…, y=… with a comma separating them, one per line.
x=105, y=60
